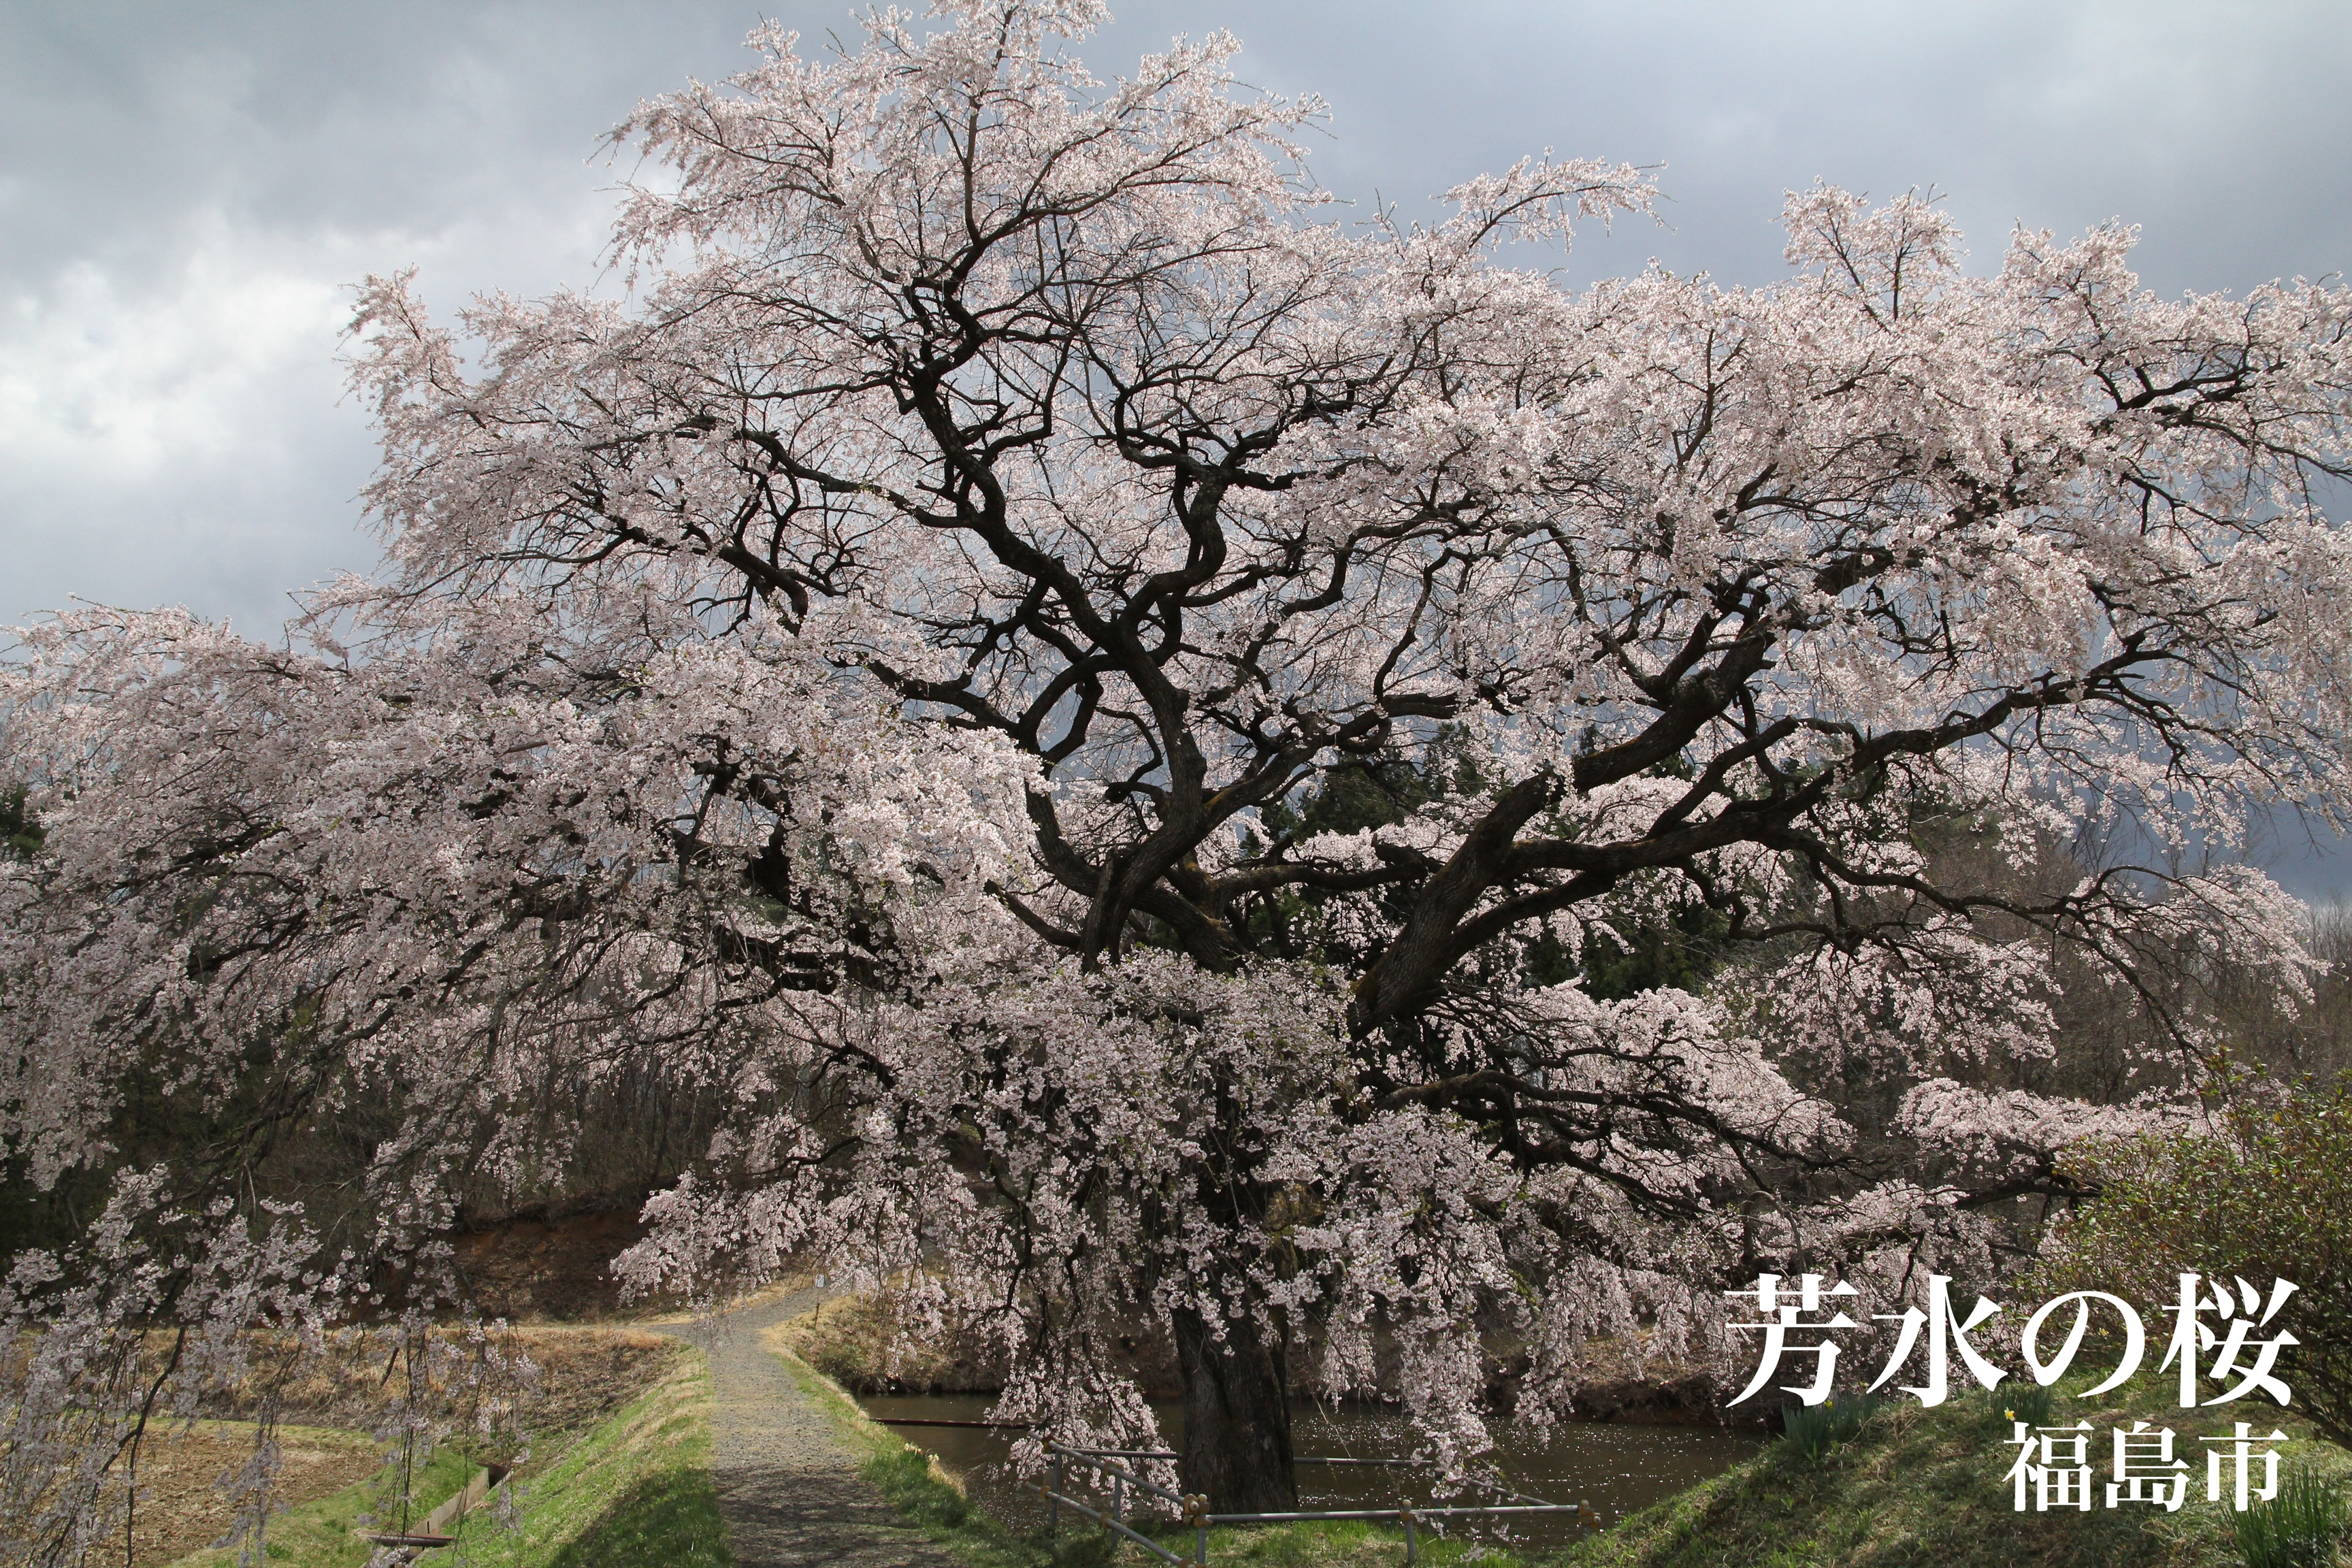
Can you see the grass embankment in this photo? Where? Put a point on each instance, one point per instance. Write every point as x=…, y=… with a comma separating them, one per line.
x=858, y=1342
x=633, y=1492
x=1913, y=1486
x=323, y=1533
x=929, y=1499
x=1925, y=1486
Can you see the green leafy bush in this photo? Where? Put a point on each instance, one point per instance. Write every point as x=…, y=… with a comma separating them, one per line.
x=2267, y=1194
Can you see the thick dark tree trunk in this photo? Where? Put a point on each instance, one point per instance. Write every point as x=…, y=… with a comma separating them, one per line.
x=1236, y=1418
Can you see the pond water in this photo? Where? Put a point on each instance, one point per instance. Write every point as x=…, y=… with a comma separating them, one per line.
x=1614, y=1468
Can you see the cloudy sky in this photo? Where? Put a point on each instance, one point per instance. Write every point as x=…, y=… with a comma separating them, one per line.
x=187, y=189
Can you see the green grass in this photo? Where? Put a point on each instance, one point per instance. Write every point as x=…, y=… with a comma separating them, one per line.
x=323, y=1534
x=1811, y=1431
x=669, y=1517
x=1914, y=1487
x=1330, y=1543
x=1893, y=1486
x=929, y=1501
x=2300, y=1528
x=635, y=1493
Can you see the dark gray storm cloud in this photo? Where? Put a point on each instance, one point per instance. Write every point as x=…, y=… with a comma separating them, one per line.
x=185, y=189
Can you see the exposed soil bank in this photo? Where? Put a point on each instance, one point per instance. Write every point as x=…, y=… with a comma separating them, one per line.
x=547, y=1267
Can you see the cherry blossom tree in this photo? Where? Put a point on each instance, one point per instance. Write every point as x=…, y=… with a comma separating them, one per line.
x=903, y=666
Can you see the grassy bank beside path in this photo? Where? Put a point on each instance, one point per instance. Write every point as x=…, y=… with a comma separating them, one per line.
x=631, y=1492
x=925, y=1495
x=1924, y=1488
x=635, y=1493
x=323, y=1532
x=1912, y=1488
x=930, y=1499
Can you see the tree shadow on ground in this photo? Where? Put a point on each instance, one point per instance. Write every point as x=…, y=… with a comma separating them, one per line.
x=669, y=1519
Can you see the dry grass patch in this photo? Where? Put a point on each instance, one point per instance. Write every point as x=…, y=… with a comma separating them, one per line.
x=183, y=1505
x=475, y=1382
x=633, y=1490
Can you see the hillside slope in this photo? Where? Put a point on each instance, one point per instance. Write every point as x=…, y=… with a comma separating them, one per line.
x=1925, y=1486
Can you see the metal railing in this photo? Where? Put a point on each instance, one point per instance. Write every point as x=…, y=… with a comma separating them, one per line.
x=1192, y=1510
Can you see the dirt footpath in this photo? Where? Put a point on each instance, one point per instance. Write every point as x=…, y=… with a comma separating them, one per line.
x=789, y=1491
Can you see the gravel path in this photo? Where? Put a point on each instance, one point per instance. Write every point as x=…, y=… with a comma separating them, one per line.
x=789, y=1491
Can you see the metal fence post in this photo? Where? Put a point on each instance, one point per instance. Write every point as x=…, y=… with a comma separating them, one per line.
x=1054, y=1507
x=1412, y=1539
x=1117, y=1495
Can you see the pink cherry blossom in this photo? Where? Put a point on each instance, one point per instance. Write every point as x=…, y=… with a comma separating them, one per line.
x=871, y=675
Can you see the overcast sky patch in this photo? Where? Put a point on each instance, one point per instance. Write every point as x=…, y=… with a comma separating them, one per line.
x=187, y=191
